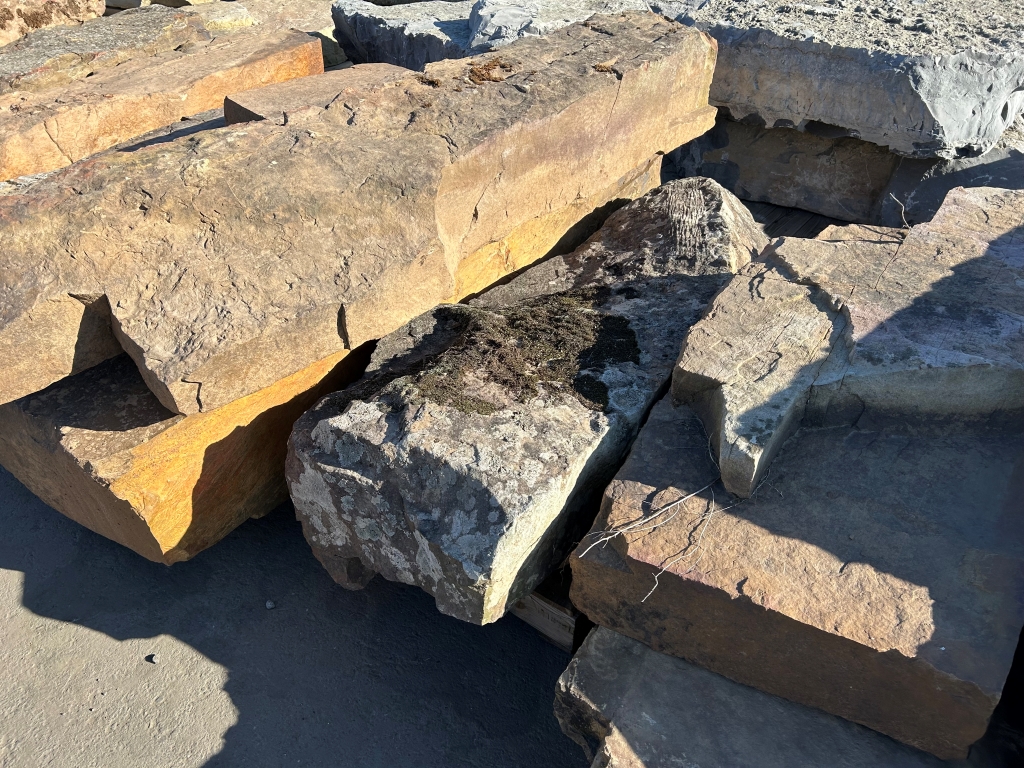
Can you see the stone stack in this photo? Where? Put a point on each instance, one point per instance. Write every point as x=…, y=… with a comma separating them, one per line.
x=826, y=507
x=237, y=267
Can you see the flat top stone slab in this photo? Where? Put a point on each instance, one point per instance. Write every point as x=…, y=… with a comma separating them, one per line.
x=57, y=55
x=235, y=257
x=636, y=708
x=934, y=28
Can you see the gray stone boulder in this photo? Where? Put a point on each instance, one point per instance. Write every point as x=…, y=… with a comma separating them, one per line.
x=631, y=707
x=843, y=178
x=859, y=324
x=413, y=34
x=460, y=462
x=942, y=79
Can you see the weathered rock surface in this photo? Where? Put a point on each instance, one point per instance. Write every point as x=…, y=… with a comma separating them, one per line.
x=54, y=128
x=631, y=707
x=942, y=80
x=234, y=257
x=60, y=55
x=19, y=17
x=459, y=463
x=843, y=178
x=413, y=34
x=101, y=449
x=231, y=16
x=878, y=576
x=860, y=324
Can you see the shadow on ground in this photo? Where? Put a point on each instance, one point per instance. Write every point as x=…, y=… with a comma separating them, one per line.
x=325, y=678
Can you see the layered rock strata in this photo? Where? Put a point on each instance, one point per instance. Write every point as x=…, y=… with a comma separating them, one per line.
x=20, y=17
x=209, y=237
x=459, y=464
x=304, y=269
x=50, y=129
x=631, y=707
x=866, y=392
x=860, y=323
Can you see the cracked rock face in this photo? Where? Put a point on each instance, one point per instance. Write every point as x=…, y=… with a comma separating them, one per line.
x=629, y=706
x=458, y=463
x=877, y=575
x=20, y=17
x=860, y=324
x=237, y=256
x=939, y=80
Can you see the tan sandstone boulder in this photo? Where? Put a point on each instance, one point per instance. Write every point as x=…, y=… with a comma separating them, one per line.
x=231, y=229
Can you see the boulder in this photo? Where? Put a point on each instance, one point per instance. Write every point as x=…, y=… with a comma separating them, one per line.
x=861, y=324
x=50, y=129
x=228, y=17
x=413, y=34
x=631, y=707
x=60, y=55
x=100, y=448
x=234, y=257
x=942, y=80
x=877, y=575
x=843, y=178
x=19, y=17
x=461, y=463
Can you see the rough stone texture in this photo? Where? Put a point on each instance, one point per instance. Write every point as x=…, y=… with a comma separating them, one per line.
x=60, y=55
x=631, y=707
x=942, y=79
x=459, y=463
x=227, y=17
x=413, y=34
x=54, y=128
x=843, y=178
x=878, y=575
x=101, y=449
x=19, y=17
x=873, y=322
x=234, y=257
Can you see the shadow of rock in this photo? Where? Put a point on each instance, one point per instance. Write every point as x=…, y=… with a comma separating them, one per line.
x=327, y=677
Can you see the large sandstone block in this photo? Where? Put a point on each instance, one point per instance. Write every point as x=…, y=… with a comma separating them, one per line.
x=863, y=323
x=631, y=707
x=19, y=17
x=843, y=178
x=414, y=34
x=234, y=257
x=460, y=463
x=50, y=129
x=60, y=55
x=937, y=80
x=100, y=448
x=878, y=574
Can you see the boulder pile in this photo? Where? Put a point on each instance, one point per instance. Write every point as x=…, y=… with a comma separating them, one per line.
x=700, y=322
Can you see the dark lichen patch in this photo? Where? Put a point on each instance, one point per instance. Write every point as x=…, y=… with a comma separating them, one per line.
x=561, y=341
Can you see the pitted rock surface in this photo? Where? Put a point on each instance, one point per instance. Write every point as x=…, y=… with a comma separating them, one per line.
x=20, y=17
x=59, y=55
x=460, y=462
x=941, y=79
x=235, y=257
x=861, y=324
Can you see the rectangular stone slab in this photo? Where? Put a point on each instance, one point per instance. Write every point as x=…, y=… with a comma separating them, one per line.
x=462, y=462
x=60, y=55
x=53, y=128
x=100, y=448
x=937, y=80
x=627, y=705
x=286, y=221
x=19, y=17
x=878, y=574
